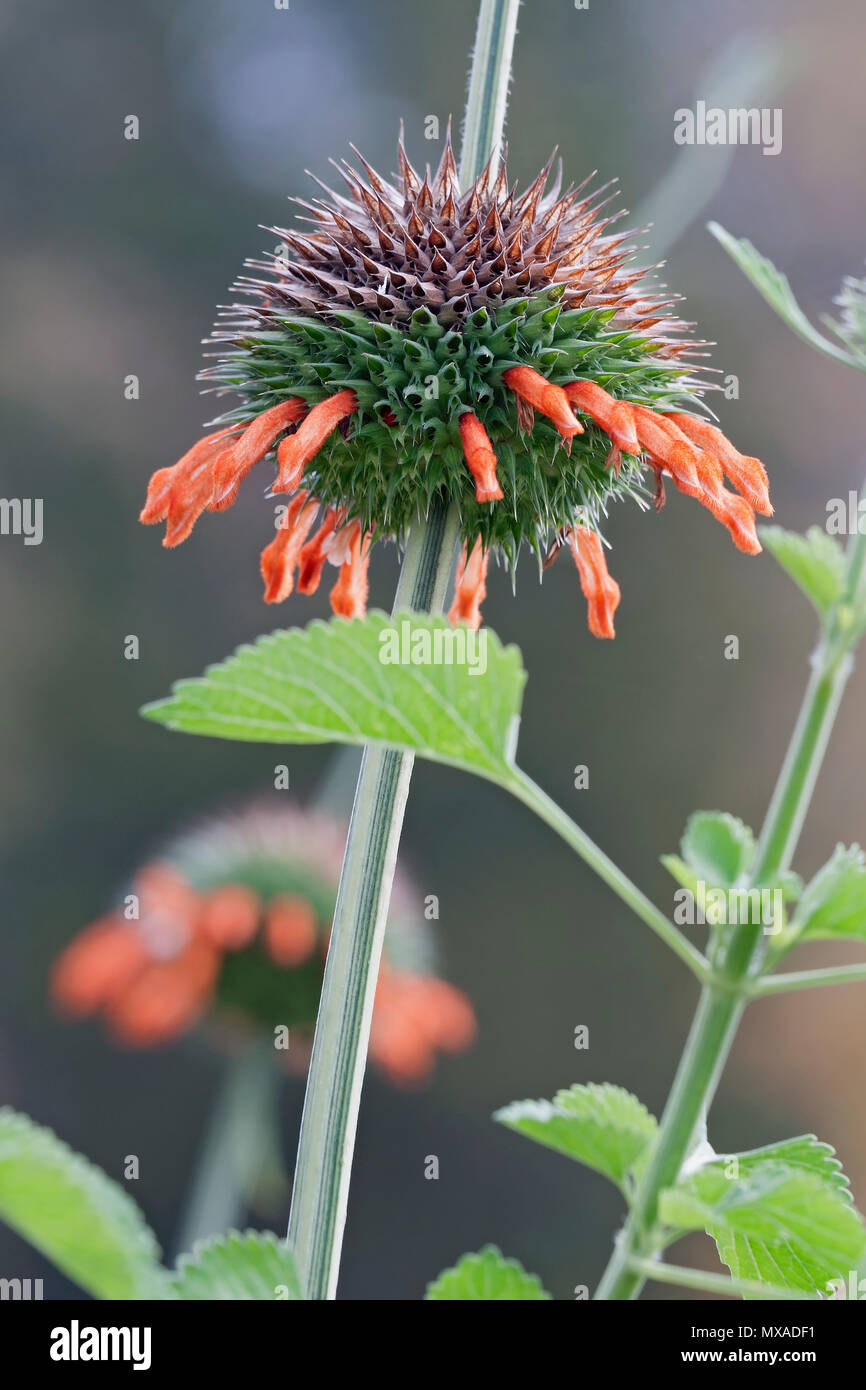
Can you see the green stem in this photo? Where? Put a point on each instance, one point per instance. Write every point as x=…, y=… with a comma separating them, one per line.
x=333, y=1094
x=528, y=792
x=712, y=1283
x=229, y=1165
x=808, y=979
x=332, y=1101
x=488, y=87
x=793, y=792
x=724, y=998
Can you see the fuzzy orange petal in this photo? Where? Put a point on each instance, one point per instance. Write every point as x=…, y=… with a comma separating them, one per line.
x=349, y=594
x=614, y=417
x=167, y=482
x=280, y=558
x=314, y=555
x=480, y=458
x=669, y=448
x=296, y=451
x=747, y=474
x=542, y=395
x=233, y=465
x=470, y=588
x=602, y=593
x=698, y=473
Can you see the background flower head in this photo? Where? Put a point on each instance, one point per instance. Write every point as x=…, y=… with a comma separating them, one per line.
x=230, y=926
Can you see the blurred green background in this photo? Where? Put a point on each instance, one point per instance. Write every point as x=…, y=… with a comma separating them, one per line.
x=114, y=255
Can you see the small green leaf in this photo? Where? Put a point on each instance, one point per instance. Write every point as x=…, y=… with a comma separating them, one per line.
x=604, y=1127
x=487, y=1277
x=347, y=682
x=775, y=288
x=782, y=1215
x=815, y=562
x=717, y=847
x=834, y=902
x=238, y=1267
x=680, y=871
x=804, y=1151
x=75, y=1214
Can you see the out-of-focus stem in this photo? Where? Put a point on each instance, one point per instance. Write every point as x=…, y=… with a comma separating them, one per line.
x=229, y=1165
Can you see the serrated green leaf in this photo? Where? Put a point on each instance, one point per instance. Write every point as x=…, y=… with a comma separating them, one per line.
x=604, y=1127
x=833, y=904
x=815, y=562
x=782, y=1215
x=237, y=1267
x=717, y=847
x=804, y=1151
x=775, y=288
x=487, y=1277
x=75, y=1214
x=333, y=683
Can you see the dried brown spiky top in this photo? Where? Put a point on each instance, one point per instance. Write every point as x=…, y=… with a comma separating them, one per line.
x=390, y=248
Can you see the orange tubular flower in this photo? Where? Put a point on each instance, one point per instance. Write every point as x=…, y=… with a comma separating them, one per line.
x=99, y=964
x=349, y=594
x=314, y=554
x=668, y=449
x=615, y=418
x=697, y=473
x=747, y=474
x=232, y=466
x=415, y=1016
x=480, y=458
x=471, y=587
x=181, y=493
x=238, y=937
x=167, y=998
x=542, y=395
x=290, y=930
x=296, y=451
x=280, y=558
x=230, y=916
x=498, y=296
x=602, y=593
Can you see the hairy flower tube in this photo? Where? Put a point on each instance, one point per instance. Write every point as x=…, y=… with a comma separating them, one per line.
x=493, y=349
x=230, y=926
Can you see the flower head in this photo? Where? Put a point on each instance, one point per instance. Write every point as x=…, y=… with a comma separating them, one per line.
x=230, y=925
x=491, y=348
